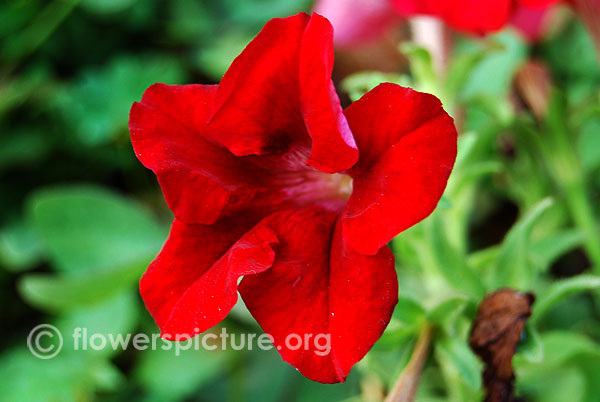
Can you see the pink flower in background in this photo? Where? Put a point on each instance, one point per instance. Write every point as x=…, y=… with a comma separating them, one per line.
x=530, y=22
x=358, y=21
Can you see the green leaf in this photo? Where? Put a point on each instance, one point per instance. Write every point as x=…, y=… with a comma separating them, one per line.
x=407, y=319
x=179, y=374
x=394, y=337
x=66, y=377
x=545, y=251
x=56, y=293
x=214, y=59
x=265, y=379
x=562, y=289
x=358, y=84
x=589, y=365
x=257, y=12
x=589, y=146
x=501, y=62
x=573, y=43
x=89, y=229
x=97, y=104
x=449, y=262
x=421, y=68
x=106, y=6
x=409, y=312
x=190, y=20
x=566, y=384
x=388, y=362
x=460, y=68
x=532, y=347
x=563, y=352
x=311, y=391
x=513, y=268
x=446, y=311
x=110, y=317
x=444, y=203
x=15, y=15
x=482, y=259
x=562, y=346
x=474, y=172
x=20, y=247
x=456, y=352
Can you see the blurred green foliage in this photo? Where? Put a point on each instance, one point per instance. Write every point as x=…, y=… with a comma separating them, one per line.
x=81, y=218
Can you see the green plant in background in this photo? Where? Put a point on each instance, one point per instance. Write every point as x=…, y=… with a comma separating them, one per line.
x=71, y=254
x=445, y=278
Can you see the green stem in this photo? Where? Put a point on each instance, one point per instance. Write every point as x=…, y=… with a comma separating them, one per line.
x=583, y=216
x=561, y=155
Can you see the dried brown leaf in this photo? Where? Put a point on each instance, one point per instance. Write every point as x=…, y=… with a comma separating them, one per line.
x=495, y=333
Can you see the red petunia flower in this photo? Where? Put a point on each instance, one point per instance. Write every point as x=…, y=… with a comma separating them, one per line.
x=271, y=180
x=471, y=16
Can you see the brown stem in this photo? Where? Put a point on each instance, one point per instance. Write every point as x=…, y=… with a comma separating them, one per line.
x=405, y=388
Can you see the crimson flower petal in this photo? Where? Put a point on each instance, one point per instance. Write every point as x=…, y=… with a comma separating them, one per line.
x=323, y=114
x=318, y=286
x=201, y=181
x=537, y=4
x=278, y=94
x=407, y=148
x=165, y=135
x=192, y=284
x=471, y=16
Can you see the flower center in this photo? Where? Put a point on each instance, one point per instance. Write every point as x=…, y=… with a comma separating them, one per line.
x=331, y=191
x=343, y=184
